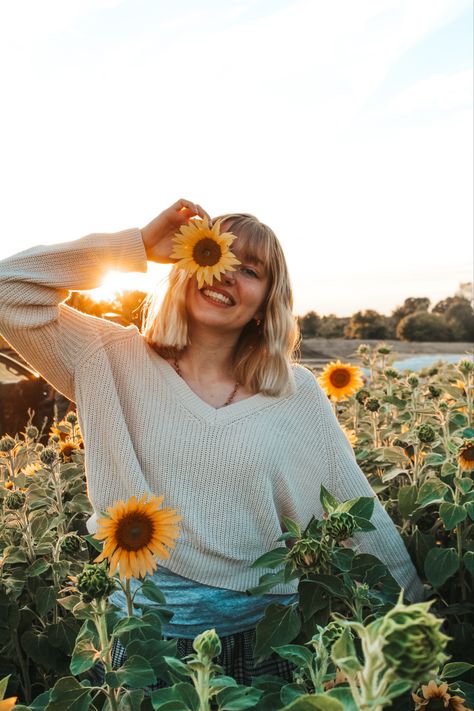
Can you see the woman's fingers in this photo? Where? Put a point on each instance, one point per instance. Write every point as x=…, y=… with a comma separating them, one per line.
x=191, y=209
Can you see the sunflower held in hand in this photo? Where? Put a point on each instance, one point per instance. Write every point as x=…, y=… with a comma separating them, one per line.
x=202, y=250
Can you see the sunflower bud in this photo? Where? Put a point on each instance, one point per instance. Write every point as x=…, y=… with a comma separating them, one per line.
x=71, y=417
x=384, y=350
x=413, y=381
x=434, y=392
x=94, y=583
x=15, y=500
x=412, y=642
x=32, y=432
x=362, y=395
x=48, y=455
x=443, y=406
x=309, y=555
x=392, y=374
x=372, y=404
x=433, y=371
x=426, y=433
x=207, y=645
x=7, y=443
x=71, y=544
x=466, y=367
x=363, y=349
x=340, y=525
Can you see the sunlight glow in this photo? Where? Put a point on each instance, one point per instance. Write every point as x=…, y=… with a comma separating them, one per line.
x=117, y=282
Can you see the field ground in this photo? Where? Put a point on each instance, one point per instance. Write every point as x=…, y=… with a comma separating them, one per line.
x=318, y=351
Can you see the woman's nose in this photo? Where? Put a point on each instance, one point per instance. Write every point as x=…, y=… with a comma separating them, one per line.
x=228, y=277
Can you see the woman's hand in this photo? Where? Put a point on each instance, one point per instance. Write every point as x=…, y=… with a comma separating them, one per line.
x=158, y=234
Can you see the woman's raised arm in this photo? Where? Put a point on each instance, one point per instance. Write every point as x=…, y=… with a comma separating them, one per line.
x=49, y=335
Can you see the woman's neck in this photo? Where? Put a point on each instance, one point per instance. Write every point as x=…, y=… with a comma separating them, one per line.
x=209, y=356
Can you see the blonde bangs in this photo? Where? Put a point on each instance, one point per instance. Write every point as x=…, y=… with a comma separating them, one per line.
x=263, y=354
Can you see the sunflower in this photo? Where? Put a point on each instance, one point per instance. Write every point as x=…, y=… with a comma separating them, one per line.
x=135, y=533
x=8, y=704
x=68, y=448
x=437, y=697
x=31, y=469
x=466, y=455
x=350, y=434
x=341, y=380
x=203, y=251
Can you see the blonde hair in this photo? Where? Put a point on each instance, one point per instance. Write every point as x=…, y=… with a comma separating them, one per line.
x=263, y=354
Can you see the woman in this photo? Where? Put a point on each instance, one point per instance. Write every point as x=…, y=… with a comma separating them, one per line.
x=203, y=407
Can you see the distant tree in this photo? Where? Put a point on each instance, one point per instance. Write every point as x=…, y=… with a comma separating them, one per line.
x=465, y=291
x=309, y=324
x=367, y=324
x=457, y=311
x=85, y=303
x=424, y=326
x=332, y=326
x=410, y=306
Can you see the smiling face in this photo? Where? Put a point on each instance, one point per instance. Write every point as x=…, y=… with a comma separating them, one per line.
x=239, y=297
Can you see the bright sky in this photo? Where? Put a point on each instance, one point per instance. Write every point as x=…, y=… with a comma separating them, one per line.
x=345, y=125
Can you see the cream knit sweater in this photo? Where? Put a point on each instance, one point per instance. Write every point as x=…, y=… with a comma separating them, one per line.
x=231, y=472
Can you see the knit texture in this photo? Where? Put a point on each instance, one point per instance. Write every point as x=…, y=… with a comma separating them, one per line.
x=232, y=472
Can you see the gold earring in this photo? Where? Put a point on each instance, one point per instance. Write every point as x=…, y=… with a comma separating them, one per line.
x=258, y=322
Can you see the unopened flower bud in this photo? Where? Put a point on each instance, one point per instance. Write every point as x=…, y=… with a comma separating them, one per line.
x=392, y=374
x=94, y=583
x=426, y=433
x=207, y=645
x=384, y=350
x=32, y=432
x=413, y=644
x=71, y=544
x=413, y=381
x=48, y=455
x=7, y=443
x=434, y=392
x=340, y=525
x=309, y=555
x=15, y=500
x=71, y=417
x=466, y=366
x=362, y=395
x=372, y=404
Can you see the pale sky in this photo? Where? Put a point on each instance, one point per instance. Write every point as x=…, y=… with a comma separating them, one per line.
x=346, y=125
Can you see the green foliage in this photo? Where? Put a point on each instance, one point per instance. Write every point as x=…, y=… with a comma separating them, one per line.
x=409, y=448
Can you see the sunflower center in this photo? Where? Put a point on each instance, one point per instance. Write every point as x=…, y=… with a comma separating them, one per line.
x=340, y=377
x=468, y=453
x=134, y=531
x=206, y=252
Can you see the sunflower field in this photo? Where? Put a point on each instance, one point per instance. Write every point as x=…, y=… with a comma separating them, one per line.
x=354, y=642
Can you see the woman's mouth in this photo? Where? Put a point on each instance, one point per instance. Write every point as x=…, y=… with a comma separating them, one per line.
x=216, y=297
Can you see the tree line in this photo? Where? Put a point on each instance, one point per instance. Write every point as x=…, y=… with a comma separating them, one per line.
x=451, y=319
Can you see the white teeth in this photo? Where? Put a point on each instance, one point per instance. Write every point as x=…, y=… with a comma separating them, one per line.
x=217, y=297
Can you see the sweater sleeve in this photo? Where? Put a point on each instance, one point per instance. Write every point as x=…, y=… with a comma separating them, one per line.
x=347, y=481
x=51, y=336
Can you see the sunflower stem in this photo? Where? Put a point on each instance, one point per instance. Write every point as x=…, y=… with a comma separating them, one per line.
x=129, y=597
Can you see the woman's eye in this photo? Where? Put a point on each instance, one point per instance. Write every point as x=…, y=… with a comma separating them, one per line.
x=249, y=271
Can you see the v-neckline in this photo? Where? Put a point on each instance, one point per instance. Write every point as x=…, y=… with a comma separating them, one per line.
x=199, y=407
